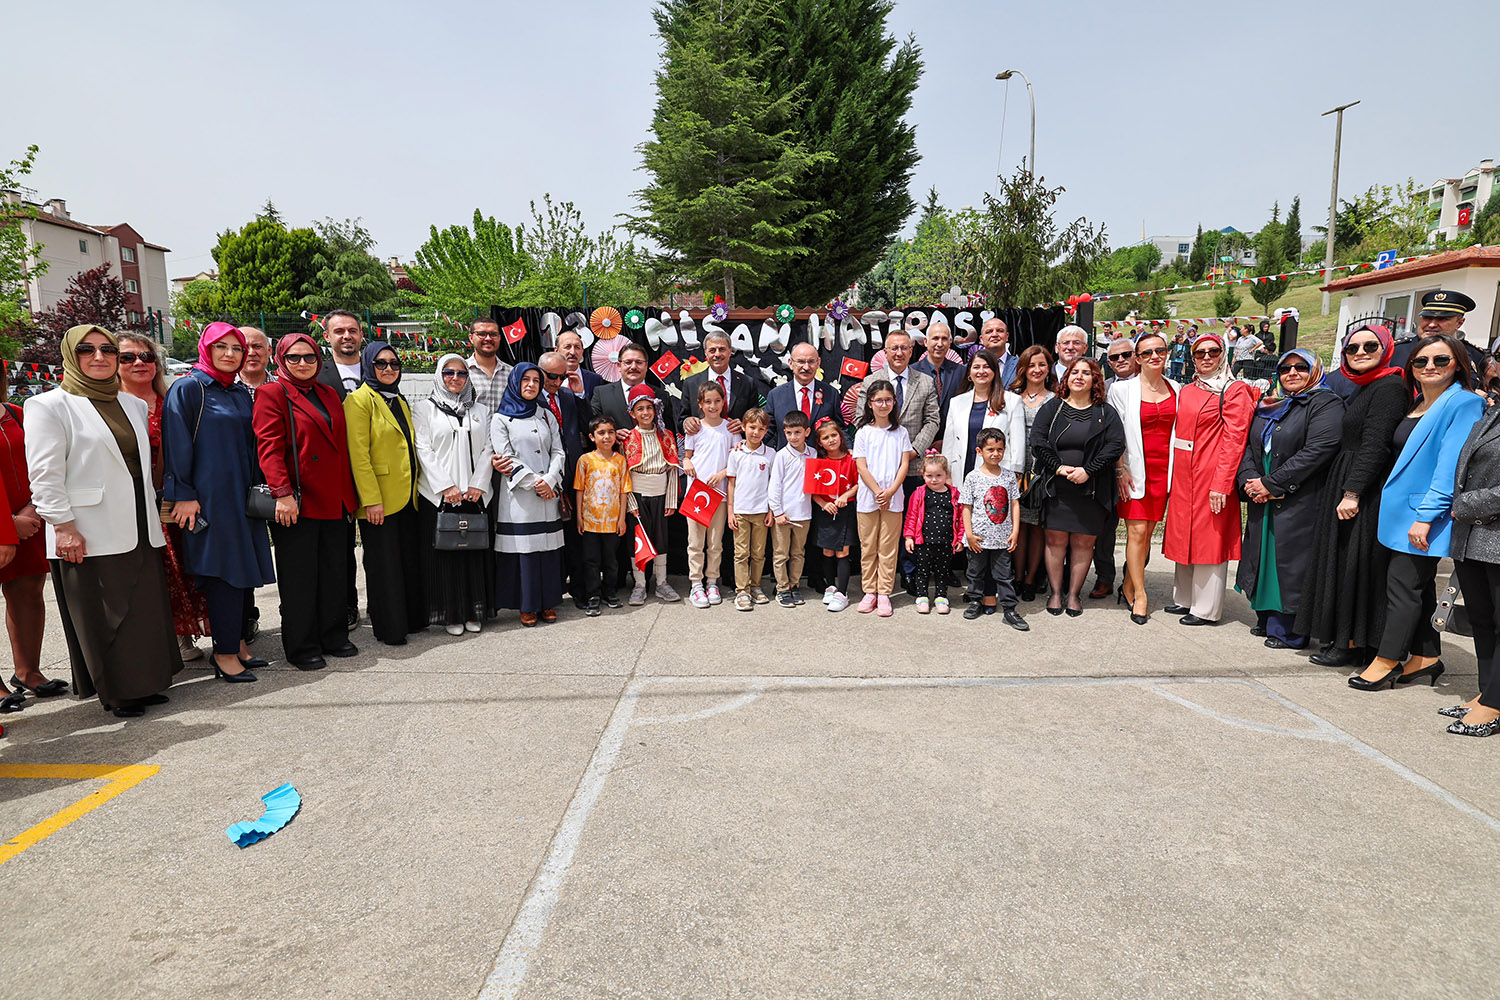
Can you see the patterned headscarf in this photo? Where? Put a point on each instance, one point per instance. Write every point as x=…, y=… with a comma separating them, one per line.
x=1218, y=380
x=1272, y=411
x=455, y=404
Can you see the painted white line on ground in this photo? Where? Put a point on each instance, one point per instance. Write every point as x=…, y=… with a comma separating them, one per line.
x=1321, y=730
x=707, y=713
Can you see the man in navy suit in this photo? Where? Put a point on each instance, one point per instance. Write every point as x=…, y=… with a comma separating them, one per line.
x=572, y=417
x=803, y=392
x=947, y=375
x=995, y=336
x=739, y=391
x=580, y=380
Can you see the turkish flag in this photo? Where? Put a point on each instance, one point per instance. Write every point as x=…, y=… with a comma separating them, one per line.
x=665, y=365
x=1464, y=216
x=516, y=332
x=854, y=368
x=701, y=502
x=822, y=477
x=644, y=550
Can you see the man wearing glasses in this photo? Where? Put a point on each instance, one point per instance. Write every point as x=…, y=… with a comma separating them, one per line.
x=1443, y=312
x=571, y=414
x=487, y=373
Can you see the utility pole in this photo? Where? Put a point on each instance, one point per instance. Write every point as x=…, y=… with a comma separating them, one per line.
x=1333, y=199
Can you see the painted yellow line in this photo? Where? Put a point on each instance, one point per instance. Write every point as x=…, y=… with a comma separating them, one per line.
x=119, y=778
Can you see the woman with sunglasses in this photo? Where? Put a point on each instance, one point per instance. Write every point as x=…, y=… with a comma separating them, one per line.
x=1284, y=474
x=87, y=452
x=1147, y=405
x=383, y=454
x=1343, y=596
x=1203, y=510
x=1415, y=510
x=303, y=444
x=141, y=376
x=453, y=448
x=208, y=450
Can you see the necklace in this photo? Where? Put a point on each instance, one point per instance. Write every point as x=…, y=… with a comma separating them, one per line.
x=1033, y=395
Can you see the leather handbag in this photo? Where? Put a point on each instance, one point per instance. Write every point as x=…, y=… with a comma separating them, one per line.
x=259, y=503
x=460, y=530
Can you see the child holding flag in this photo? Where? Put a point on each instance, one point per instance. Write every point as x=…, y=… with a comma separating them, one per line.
x=832, y=481
x=791, y=508
x=705, y=456
x=651, y=460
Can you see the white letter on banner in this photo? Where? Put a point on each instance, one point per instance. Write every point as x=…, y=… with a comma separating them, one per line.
x=771, y=337
x=658, y=333
x=873, y=319
x=985, y=315
x=815, y=331
x=852, y=331
x=551, y=327
x=579, y=324
x=962, y=324
x=687, y=326
x=740, y=339
x=915, y=326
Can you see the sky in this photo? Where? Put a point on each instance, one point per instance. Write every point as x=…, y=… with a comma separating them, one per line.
x=183, y=118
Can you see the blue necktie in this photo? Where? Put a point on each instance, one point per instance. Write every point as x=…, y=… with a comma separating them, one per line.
x=900, y=393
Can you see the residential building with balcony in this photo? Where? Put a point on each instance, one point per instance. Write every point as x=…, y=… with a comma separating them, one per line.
x=1453, y=202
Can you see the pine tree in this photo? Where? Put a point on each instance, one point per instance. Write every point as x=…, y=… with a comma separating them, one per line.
x=1269, y=285
x=1198, y=258
x=265, y=266
x=1291, y=243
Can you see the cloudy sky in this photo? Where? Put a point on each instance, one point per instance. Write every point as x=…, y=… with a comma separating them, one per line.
x=183, y=118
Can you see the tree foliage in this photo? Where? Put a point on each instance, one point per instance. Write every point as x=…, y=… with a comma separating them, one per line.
x=1384, y=217
x=1486, y=223
x=93, y=296
x=18, y=261
x=462, y=268
x=1271, y=261
x=266, y=267
x=567, y=265
x=1022, y=255
x=1198, y=259
x=1291, y=240
x=345, y=275
x=1226, y=301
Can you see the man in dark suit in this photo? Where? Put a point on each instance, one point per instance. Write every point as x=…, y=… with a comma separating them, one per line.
x=739, y=391
x=609, y=398
x=947, y=375
x=1443, y=312
x=572, y=417
x=803, y=392
x=346, y=338
x=994, y=336
x=581, y=380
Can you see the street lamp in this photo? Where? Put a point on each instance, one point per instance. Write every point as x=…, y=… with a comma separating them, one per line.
x=1032, y=97
x=1333, y=199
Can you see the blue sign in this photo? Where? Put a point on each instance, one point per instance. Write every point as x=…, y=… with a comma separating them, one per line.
x=1385, y=259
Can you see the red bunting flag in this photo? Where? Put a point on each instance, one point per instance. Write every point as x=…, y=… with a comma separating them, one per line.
x=854, y=368
x=516, y=332
x=701, y=502
x=644, y=550
x=665, y=365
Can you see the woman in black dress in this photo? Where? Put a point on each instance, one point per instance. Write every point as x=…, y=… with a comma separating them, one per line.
x=1343, y=596
x=1076, y=439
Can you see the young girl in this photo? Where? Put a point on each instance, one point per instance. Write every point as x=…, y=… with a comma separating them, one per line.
x=934, y=531
x=833, y=516
x=705, y=455
x=651, y=460
x=882, y=454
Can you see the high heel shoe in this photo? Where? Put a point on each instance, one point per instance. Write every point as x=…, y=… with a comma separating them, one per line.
x=243, y=677
x=1453, y=711
x=1120, y=595
x=1433, y=670
x=1358, y=683
x=1461, y=728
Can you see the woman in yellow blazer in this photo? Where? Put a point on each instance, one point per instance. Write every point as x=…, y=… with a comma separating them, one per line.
x=383, y=457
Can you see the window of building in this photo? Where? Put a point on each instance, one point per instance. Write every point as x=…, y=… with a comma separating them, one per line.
x=131, y=286
x=83, y=246
x=135, y=317
x=127, y=255
x=1184, y=248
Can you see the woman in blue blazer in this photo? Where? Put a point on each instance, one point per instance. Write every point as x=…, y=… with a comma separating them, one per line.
x=1415, y=518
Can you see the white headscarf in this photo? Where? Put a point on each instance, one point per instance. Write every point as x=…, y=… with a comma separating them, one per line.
x=455, y=404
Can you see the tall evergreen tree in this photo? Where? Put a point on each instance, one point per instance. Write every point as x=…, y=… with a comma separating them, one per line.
x=266, y=266
x=1270, y=262
x=1198, y=258
x=1291, y=242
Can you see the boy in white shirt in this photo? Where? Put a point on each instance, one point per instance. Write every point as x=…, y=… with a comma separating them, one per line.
x=706, y=456
x=750, y=508
x=791, y=508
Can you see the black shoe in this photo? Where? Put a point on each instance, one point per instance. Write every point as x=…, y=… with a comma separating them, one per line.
x=910, y=583
x=347, y=649
x=1358, y=683
x=1191, y=619
x=243, y=677
x=974, y=610
x=128, y=712
x=592, y=607
x=46, y=689
x=1015, y=621
x=351, y=620
x=1176, y=609
x=1139, y=619
x=1434, y=671
x=580, y=604
x=254, y=663
x=989, y=609
x=1027, y=591
x=310, y=663
x=611, y=601
x=1074, y=612
x=1275, y=643
x=1332, y=657
x=154, y=699
x=1258, y=630
x=13, y=702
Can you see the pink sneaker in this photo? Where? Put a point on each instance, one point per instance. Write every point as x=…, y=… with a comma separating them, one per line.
x=867, y=604
x=884, y=604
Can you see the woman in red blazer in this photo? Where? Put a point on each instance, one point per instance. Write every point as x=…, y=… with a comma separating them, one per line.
x=314, y=492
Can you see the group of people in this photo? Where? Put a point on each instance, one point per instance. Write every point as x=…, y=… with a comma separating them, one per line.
x=510, y=485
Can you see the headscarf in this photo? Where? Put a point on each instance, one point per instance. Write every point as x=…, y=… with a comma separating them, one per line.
x=1388, y=350
x=511, y=403
x=1218, y=380
x=455, y=404
x=367, y=370
x=283, y=374
x=212, y=334
x=74, y=380
x=1272, y=412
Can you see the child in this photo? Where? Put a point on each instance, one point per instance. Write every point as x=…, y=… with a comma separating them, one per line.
x=651, y=459
x=750, y=508
x=991, y=503
x=934, y=531
x=882, y=454
x=791, y=507
x=705, y=454
x=603, y=483
x=833, y=527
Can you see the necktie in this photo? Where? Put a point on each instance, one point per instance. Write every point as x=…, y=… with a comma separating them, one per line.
x=552, y=405
x=937, y=378
x=900, y=394
x=806, y=402
x=724, y=387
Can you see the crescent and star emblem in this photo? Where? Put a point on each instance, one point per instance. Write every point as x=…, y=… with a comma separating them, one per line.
x=818, y=477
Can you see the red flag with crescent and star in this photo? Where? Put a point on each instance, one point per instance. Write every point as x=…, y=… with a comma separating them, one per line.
x=516, y=332
x=644, y=550
x=665, y=365
x=820, y=478
x=854, y=368
x=701, y=502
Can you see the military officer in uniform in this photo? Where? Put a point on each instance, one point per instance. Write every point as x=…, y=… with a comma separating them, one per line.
x=1442, y=312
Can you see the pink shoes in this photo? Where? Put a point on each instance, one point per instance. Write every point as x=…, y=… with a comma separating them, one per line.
x=884, y=604
x=867, y=604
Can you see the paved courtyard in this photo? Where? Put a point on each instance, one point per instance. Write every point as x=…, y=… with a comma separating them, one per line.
x=675, y=803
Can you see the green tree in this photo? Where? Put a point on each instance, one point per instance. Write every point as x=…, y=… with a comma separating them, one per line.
x=93, y=296
x=1486, y=224
x=18, y=261
x=569, y=266
x=1198, y=260
x=726, y=202
x=878, y=288
x=1291, y=241
x=1022, y=256
x=200, y=299
x=1226, y=302
x=461, y=268
x=1144, y=259
x=938, y=257
x=266, y=267
x=1270, y=256
x=345, y=275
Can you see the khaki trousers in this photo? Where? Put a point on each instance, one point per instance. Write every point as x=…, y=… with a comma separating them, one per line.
x=749, y=550
x=706, y=543
x=791, y=551
x=1200, y=589
x=879, y=541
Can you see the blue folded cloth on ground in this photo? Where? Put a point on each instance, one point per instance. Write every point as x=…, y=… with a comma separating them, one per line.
x=281, y=805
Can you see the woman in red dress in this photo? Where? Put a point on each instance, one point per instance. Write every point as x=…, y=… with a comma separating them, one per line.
x=23, y=563
x=141, y=376
x=1147, y=405
x=1203, y=507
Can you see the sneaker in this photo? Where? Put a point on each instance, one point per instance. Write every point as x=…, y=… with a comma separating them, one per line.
x=828, y=595
x=974, y=610
x=759, y=596
x=612, y=601
x=784, y=598
x=714, y=597
x=797, y=596
x=592, y=609
x=743, y=601
x=637, y=597
x=472, y=626
x=924, y=606
x=1015, y=621
x=837, y=602
x=867, y=604
x=665, y=592
x=940, y=605
x=351, y=620
x=883, y=606
x=455, y=630
x=698, y=598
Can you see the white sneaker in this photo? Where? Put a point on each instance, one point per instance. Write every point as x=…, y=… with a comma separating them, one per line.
x=759, y=596
x=472, y=626
x=698, y=598
x=828, y=594
x=455, y=630
x=743, y=601
x=714, y=597
x=838, y=602
x=637, y=597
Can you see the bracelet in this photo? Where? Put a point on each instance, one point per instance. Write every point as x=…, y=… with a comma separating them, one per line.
x=1350, y=496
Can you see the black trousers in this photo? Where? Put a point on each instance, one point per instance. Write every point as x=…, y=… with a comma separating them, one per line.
x=351, y=588
x=1410, y=600
x=1104, y=552
x=1480, y=582
x=573, y=561
x=599, y=572
x=992, y=566
x=311, y=573
x=228, y=607
x=393, y=576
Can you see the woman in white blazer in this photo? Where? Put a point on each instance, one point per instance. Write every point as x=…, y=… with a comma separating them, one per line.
x=89, y=454
x=1147, y=405
x=983, y=402
x=453, y=449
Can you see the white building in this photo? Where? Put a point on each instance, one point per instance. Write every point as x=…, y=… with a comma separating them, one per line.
x=1172, y=247
x=1453, y=202
x=1394, y=294
x=178, y=284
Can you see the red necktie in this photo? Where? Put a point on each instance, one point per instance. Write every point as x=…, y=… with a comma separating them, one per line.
x=724, y=388
x=552, y=405
x=806, y=402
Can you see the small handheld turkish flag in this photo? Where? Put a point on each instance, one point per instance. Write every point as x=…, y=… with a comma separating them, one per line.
x=820, y=478
x=644, y=550
x=854, y=368
x=665, y=365
x=516, y=332
x=701, y=502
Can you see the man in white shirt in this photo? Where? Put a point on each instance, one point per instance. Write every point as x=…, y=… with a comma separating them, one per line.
x=1071, y=343
x=487, y=373
x=346, y=338
x=582, y=381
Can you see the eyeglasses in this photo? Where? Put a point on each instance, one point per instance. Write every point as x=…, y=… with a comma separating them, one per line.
x=381, y=364
x=1439, y=361
x=300, y=359
x=84, y=350
x=1211, y=352
x=227, y=348
x=1363, y=347
x=461, y=376
x=1293, y=366
x=549, y=377
x=131, y=357
x=883, y=401
x=1151, y=352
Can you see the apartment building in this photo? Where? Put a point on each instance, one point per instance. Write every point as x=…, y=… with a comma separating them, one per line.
x=1452, y=202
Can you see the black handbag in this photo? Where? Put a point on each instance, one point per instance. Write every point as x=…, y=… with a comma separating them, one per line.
x=459, y=530
x=259, y=503
x=1039, y=490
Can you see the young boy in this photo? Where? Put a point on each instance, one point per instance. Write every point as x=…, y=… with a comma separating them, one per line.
x=705, y=455
x=750, y=508
x=791, y=508
x=602, y=482
x=991, y=503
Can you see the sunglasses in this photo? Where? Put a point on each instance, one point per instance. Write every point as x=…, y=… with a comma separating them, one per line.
x=84, y=350
x=1293, y=366
x=383, y=365
x=462, y=376
x=131, y=357
x=1439, y=361
x=1363, y=347
x=549, y=377
x=1212, y=352
x=1152, y=352
x=300, y=359
x=1113, y=358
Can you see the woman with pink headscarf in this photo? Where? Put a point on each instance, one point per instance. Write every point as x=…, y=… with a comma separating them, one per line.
x=209, y=449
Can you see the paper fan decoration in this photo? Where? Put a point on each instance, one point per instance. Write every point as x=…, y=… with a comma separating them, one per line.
x=635, y=319
x=719, y=311
x=605, y=322
x=605, y=356
x=784, y=313
x=838, y=311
